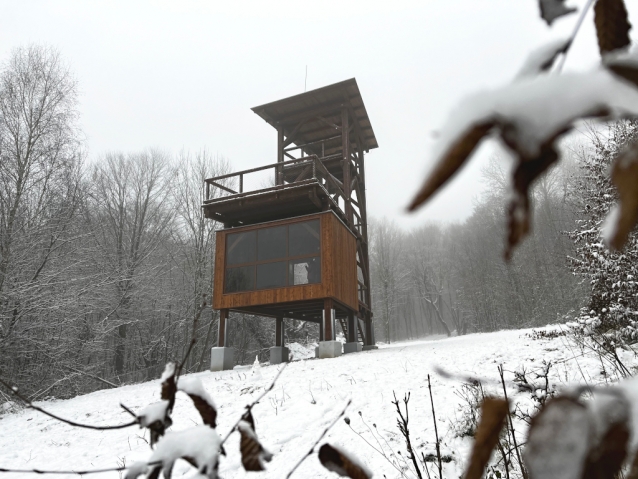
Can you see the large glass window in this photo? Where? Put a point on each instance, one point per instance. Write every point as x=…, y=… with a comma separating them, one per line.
x=304, y=238
x=273, y=257
x=240, y=279
x=240, y=248
x=271, y=243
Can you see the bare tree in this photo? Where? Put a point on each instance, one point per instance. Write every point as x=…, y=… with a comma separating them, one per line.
x=388, y=271
x=40, y=178
x=130, y=215
x=194, y=234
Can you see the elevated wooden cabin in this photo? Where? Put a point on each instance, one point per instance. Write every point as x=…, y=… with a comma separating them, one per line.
x=299, y=248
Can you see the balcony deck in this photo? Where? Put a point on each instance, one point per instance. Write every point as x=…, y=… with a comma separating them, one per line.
x=308, y=187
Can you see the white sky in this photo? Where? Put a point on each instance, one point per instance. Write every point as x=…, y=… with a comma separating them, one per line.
x=184, y=74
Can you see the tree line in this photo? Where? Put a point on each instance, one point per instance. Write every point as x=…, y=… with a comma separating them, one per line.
x=452, y=279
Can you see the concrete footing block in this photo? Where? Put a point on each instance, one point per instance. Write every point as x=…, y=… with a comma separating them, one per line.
x=354, y=347
x=329, y=349
x=279, y=354
x=222, y=359
x=370, y=347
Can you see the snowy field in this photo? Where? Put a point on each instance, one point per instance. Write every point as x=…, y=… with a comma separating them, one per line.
x=306, y=398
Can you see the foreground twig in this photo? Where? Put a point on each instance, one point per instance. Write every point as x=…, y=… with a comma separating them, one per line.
x=380, y=451
x=579, y=22
x=80, y=473
x=28, y=403
x=402, y=422
x=253, y=404
x=93, y=376
x=325, y=431
x=436, y=432
x=511, y=425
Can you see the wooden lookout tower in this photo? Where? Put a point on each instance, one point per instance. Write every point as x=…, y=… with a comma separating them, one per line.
x=295, y=245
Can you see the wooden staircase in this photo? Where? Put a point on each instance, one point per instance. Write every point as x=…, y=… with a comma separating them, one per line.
x=360, y=333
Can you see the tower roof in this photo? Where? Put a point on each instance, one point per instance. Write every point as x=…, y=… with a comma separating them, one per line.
x=320, y=112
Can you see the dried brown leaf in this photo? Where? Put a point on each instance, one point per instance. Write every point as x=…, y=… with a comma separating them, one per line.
x=612, y=25
x=205, y=410
x=201, y=399
x=155, y=417
x=338, y=461
x=169, y=387
x=518, y=211
x=633, y=471
x=493, y=414
x=558, y=440
x=608, y=457
x=609, y=447
x=158, y=429
x=253, y=453
x=451, y=161
x=528, y=169
x=624, y=175
x=626, y=70
x=155, y=472
x=553, y=9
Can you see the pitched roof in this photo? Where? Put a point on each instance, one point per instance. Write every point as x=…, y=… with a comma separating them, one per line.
x=321, y=110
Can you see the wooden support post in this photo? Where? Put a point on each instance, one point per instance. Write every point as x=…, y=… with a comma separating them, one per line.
x=279, y=180
x=328, y=333
x=222, y=331
x=345, y=151
x=279, y=332
x=352, y=327
x=369, y=333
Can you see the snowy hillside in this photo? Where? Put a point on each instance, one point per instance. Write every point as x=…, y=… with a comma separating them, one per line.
x=308, y=395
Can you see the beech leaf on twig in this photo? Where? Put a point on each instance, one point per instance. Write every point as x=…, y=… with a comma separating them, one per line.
x=201, y=399
x=558, y=439
x=457, y=153
x=157, y=416
x=608, y=449
x=612, y=25
x=494, y=411
x=530, y=116
x=624, y=64
x=169, y=388
x=337, y=460
x=253, y=454
x=199, y=446
x=623, y=218
x=553, y=9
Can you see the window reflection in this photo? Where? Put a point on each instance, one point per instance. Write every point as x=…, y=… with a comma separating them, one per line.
x=304, y=271
x=240, y=248
x=303, y=238
x=240, y=279
x=271, y=243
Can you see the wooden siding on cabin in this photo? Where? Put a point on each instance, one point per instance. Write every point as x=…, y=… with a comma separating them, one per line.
x=338, y=269
x=344, y=284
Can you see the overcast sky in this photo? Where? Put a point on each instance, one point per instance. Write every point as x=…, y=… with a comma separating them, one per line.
x=184, y=74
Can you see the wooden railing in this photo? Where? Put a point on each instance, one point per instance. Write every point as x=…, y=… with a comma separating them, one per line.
x=317, y=171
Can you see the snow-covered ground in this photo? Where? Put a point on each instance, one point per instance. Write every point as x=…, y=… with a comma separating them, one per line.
x=306, y=398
